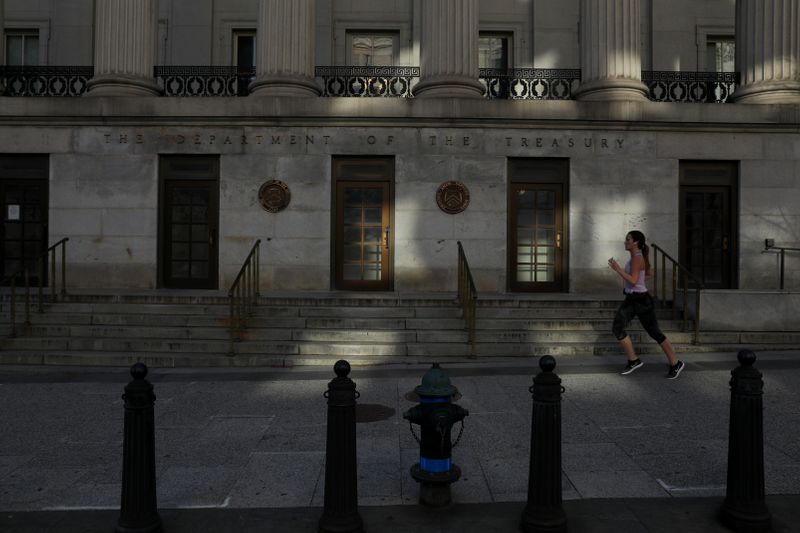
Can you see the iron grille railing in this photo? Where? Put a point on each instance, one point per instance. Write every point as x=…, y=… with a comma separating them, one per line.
x=530, y=83
x=204, y=80
x=690, y=87
x=44, y=80
x=352, y=81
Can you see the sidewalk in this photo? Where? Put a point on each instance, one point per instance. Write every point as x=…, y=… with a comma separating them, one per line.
x=667, y=515
x=244, y=449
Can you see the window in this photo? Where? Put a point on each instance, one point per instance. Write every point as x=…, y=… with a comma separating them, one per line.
x=372, y=49
x=22, y=47
x=244, y=48
x=720, y=54
x=493, y=50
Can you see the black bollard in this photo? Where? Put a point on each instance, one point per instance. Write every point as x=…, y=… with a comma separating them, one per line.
x=744, y=508
x=138, y=513
x=341, y=483
x=544, y=512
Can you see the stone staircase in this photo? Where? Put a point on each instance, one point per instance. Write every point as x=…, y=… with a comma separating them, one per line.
x=190, y=329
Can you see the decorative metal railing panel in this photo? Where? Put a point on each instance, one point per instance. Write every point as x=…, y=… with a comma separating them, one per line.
x=691, y=87
x=45, y=80
x=204, y=80
x=530, y=83
x=350, y=81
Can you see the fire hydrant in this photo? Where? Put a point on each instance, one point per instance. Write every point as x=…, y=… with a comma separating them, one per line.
x=435, y=415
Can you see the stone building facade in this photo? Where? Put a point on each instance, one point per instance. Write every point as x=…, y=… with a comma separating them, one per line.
x=360, y=141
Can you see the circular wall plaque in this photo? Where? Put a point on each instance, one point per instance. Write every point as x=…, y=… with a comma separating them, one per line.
x=274, y=196
x=452, y=197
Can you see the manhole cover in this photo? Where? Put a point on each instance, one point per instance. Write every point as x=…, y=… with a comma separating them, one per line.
x=372, y=412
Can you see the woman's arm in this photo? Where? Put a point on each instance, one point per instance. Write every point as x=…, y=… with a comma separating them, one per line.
x=637, y=265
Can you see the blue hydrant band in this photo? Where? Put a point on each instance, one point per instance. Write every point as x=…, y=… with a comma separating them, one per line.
x=429, y=399
x=435, y=465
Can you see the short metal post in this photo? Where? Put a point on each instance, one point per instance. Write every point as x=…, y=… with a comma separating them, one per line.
x=52, y=275
x=138, y=511
x=744, y=508
x=341, y=481
x=63, y=269
x=27, y=303
x=783, y=255
x=41, y=271
x=544, y=511
x=13, y=309
x=232, y=330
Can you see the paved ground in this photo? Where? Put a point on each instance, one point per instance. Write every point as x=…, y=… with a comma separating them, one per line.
x=244, y=446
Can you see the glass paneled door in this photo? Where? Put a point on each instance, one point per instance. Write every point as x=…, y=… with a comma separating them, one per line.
x=706, y=240
x=363, y=235
x=536, y=236
x=24, y=232
x=190, y=234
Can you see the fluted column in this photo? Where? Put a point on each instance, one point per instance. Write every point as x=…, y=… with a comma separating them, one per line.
x=285, y=54
x=611, y=60
x=449, y=50
x=768, y=51
x=126, y=39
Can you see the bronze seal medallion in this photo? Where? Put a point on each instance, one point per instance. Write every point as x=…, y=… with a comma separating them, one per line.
x=452, y=197
x=274, y=196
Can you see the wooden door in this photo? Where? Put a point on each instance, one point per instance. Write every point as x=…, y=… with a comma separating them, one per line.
x=536, y=237
x=708, y=221
x=363, y=235
x=189, y=221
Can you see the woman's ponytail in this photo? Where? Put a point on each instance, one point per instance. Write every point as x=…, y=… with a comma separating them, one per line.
x=639, y=238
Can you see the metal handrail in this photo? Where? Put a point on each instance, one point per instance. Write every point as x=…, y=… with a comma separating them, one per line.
x=467, y=296
x=769, y=245
x=243, y=294
x=679, y=274
x=40, y=268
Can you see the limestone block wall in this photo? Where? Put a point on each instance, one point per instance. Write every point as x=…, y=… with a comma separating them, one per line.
x=107, y=206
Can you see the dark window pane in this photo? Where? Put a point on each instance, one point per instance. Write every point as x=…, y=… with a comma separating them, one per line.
x=200, y=252
x=180, y=269
x=352, y=234
x=199, y=233
x=180, y=232
x=352, y=196
x=352, y=215
x=180, y=251
x=372, y=215
x=199, y=270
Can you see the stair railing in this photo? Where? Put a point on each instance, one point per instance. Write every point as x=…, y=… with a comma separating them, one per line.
x=769, y=246
x=243, y=294
x=680, y=276
x=467, y=296
x=40, y=263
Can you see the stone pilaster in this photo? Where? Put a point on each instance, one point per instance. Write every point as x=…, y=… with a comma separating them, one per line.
x=285, y=54
x=768, y=51
x=126, y=40
x=449, y=50
x=611, y=62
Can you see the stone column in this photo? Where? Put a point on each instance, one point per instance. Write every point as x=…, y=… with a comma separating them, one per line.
x=768, y=51
x=449, y=50
x=125, y=48
x=611, y=62
x=285, y=53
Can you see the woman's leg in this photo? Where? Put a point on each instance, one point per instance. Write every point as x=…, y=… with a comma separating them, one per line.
x=647, y=316
x=622, y=318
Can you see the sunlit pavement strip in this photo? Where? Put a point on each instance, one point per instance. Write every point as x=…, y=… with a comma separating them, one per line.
x=256, y=438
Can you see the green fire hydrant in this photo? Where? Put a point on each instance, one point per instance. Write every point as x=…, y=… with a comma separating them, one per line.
x=435, y=415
